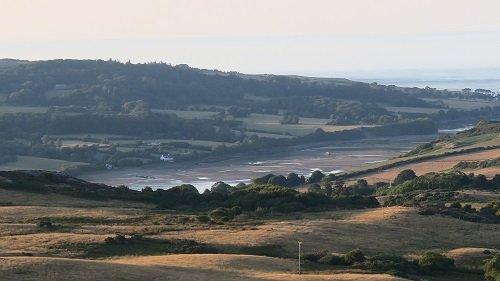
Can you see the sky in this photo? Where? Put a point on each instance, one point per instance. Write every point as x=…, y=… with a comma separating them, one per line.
x=306, y=37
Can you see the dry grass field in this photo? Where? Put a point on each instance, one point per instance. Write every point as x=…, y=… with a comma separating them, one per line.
x=438, y=165
x=395, y=230
x=170, y=267
x=470, y=257
x=55, y=254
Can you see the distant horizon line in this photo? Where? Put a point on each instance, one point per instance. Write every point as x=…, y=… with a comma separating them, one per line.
x=413, y=74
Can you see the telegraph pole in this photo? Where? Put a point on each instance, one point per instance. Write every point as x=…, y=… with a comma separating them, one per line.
x=300, y=243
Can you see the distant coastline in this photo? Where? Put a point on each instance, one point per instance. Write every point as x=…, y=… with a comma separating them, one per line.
x=440, y=84
x=452, y=80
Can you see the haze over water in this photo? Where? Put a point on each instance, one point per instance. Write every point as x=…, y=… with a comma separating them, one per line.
x=453, y=80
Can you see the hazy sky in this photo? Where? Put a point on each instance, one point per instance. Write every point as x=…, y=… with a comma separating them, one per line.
x=311, y=37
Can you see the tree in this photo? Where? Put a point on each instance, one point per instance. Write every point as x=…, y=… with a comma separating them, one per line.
x=316, y=176
x=315, y=188
x=339, y=187
x=263, y=179
x=289, y=118
x=293, y=180
x=467, y=90
x=480, y=181
x=328, y=189
x=221, y=187
x=238, y=112
x=496, y=181
x=277, y=180
x=362, y=184
x=403, y=176
x=45, y=139
x=328, y=179
x=362, y=188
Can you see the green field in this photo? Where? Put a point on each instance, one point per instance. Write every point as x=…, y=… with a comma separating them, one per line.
x=73, y=143
x=266, y=124
x=94, y=136
x=188, y=114
x=268, y=135
x=468, y=104
x=128, y=144
x=37, y=163
x=270, y=124
x=166, y=141
x=5, y=109
x=425, y=110
x=256, y=98
x=59, y=93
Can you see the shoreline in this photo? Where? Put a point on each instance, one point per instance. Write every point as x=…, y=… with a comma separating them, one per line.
x=301, y=159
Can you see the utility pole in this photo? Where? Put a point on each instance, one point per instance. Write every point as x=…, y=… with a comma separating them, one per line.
x=300, y=243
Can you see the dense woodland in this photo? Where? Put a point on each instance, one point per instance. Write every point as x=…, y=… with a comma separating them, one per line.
x=106, y=86
x=163, y=85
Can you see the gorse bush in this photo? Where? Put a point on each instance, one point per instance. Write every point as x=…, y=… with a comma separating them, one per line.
x=492, y=269
x=331, y=259
x=442, y=181
x=354, y=256
x=392, y=264
x=432, y=262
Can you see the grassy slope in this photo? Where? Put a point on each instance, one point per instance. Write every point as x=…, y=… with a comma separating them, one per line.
x=395, y=230
x=85, y=222
x=437, y=165
x=487, y=135
x=173, y=267
x=38, y=163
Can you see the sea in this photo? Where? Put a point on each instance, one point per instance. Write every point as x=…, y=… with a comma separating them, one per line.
x=453, y=80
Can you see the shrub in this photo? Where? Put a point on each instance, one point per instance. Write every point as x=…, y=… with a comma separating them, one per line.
x=331, y=259
x=314, y=257
x=426, y=212
x=136, y=237
x=314, y=188
x=455, y=205
x=354, y=256
x=392, y=264
x=221, y=214
x=260, y=212
x=44, y=224
x=431, y=262
x=236, y=210
x=118, y=239
x=202, y=219
x=492, y=269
